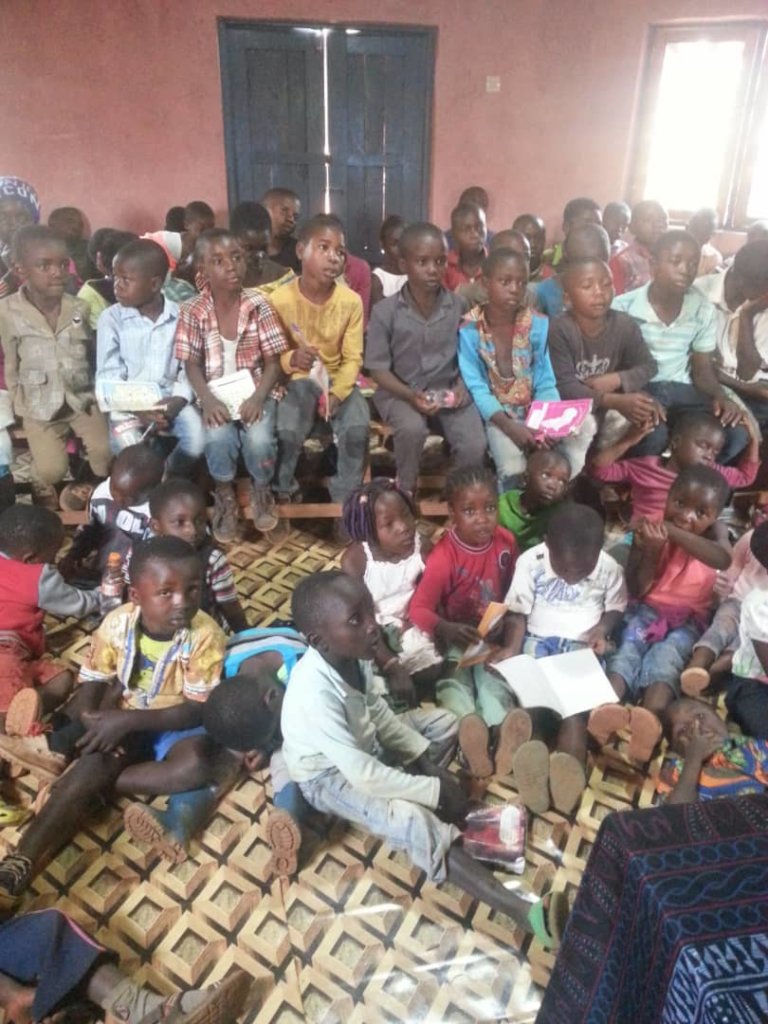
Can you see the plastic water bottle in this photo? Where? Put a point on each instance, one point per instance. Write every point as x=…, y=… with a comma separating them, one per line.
x=112, y=583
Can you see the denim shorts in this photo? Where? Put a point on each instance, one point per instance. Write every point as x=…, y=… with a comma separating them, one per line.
x=641, y=662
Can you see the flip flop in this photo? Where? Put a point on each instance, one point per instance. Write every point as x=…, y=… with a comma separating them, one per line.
x=24, y=712
x=694, y=681
x=606, y=720
x=140, y=823
x=474, y=739
x=548, y=917
x=567, y=781
x=645, y=733
x=515, y=730
x=75, y=497
x=12, y=815
x=530, y=771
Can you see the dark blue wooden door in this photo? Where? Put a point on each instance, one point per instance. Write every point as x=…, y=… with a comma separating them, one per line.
x=374, y=86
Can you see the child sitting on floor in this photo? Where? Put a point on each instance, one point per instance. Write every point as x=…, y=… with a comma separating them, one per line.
x=526, y=511
x=387, y=553
x=696, y=438
x=599, y=353
x=671, y=572
x=748, y=572
x=567, y=594
x=136, y=716
x=746, y=695
x=223, y=332
x=30, y=586
x=118, y=513
x=505, y=364
x=469, y=567
x=177, y=509
x=714, y=762
x=340, y=740
x=324, y=320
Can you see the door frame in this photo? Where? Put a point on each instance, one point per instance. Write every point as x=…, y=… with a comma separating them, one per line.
x=428, y=32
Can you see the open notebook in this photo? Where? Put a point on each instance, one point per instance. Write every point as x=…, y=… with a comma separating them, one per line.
x=566, y=683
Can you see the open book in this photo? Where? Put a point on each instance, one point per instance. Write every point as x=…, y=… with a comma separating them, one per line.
x=566, y=683
x=476, y=653
x=127, y=395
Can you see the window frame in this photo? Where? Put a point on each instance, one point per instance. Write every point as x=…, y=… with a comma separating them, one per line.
x=752, y=103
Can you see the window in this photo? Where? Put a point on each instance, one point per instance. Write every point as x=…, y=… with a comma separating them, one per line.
x=703, y=126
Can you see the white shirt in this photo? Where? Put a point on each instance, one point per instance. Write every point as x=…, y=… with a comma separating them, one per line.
x=753, y=626
x=712, y=287
x=745, y=573
x=229, y=356
x=328, y=724
x=557, y=608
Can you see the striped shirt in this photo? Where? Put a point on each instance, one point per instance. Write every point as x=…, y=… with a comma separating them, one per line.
x=131, y=346
x=259, y=334
x=671, y=345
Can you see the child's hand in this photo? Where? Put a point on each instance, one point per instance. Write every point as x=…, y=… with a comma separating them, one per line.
x=252, y=410
x=105, y=730
x=641, y=410
x=596, y=639
x=215, y=413
x=303, y=358
x=453, y=805
x=727, y=412
x=701, y=744
x=651, y=536
x=400, y=686
x=456, y=634
x=422, y=404
x=165, y=412
x=723, y=586
x=501, y=655
x=333, y=405
x=527, y=440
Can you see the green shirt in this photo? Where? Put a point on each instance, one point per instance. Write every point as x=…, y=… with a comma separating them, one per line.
x=528, y=528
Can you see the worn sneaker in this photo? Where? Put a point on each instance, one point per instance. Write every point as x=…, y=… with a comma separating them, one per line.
x=45, y=496
x=15, y=876
x=220, y=1004
x=33, y=754
x=24, y=713
x=225, y=518
x=263, y=509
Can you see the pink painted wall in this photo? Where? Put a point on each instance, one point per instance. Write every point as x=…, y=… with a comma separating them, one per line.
x=116, y=106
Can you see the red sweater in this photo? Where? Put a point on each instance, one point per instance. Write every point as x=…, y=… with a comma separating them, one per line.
x=30, y=589
x=459, y=582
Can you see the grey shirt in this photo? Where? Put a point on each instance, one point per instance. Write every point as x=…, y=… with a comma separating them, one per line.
x=619, y=349
x=422, y=353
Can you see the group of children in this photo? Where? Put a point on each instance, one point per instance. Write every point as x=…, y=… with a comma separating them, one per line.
x=272, y=337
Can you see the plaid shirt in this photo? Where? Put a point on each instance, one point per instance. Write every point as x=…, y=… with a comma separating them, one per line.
x=259, y=334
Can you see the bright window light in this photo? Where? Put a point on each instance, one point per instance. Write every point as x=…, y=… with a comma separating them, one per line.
x=692, y=123
x=757, y=206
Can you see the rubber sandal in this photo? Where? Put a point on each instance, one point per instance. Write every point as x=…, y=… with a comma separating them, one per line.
x=530, y=771
x=515, y=730
x=75, y=497
x=694, y=681
x=548, y=917
x=567, y=781
x=284, y=839
x=474, y=739
x=606, y=720
x=140, y=823
x=645, y=733
x=24, y=712
x=12, y=815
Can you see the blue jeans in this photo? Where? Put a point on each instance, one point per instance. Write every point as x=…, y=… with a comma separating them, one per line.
x=641, y=662
x=678, y=399
x=296, y=415
x=187, y=428
x=257, y=443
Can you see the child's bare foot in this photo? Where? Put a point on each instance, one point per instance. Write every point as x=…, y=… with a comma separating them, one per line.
x=284, y=838
x=567, y=781
x=694, y=681
x=605, y=721
x=645, y=733
x=515, y=730
x=530, y=768
x=474, y=740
